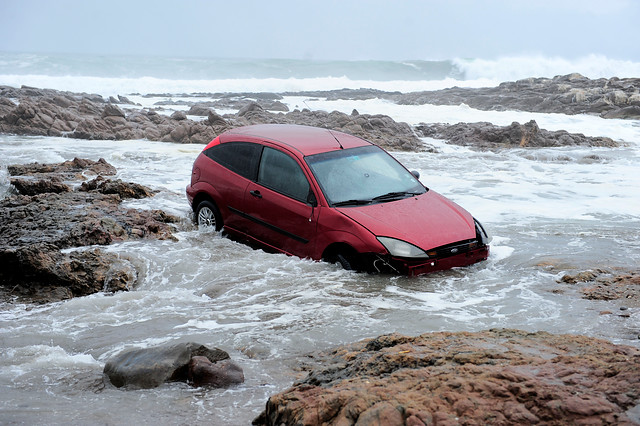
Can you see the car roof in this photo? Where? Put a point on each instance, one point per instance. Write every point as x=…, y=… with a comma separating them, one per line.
x=306, y=140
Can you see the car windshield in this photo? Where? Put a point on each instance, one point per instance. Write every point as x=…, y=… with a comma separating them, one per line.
x=362, y=175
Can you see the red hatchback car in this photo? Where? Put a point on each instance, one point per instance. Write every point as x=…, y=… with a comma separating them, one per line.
x=326, y=195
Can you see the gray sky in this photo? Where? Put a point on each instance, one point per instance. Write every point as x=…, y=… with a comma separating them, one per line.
x=326, y=29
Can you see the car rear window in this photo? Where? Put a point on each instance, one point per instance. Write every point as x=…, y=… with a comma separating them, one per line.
x=239, y=157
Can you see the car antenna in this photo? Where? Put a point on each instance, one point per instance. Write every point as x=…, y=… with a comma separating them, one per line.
x=334, y=136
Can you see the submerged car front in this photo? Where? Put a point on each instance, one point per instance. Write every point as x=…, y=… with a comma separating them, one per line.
x=416, y=230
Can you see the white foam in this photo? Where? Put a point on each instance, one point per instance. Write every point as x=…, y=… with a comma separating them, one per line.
x=36, y=357
x=111, y=86
x=511, y=68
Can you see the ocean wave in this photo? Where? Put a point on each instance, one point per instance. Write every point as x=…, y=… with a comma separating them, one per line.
x=111, y=86
x=519, y=67
x=113, y=75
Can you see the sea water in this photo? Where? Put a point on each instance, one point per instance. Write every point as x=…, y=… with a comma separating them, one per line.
x=573, y=207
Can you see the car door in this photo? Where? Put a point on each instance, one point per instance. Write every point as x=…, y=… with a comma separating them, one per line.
x=282, y=212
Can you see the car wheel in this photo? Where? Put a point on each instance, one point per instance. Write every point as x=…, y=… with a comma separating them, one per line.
x=208, y=215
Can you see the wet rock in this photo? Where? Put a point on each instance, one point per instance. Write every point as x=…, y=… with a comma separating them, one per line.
x=41, y=273
x=40, y=186
x=150, y=367
x=123, y=189
x=111, y=110
x=215, y=120
x=491, y=377
x=489, y=136
x=250, y=109
x=201, y=110
x=179, y=116
x=221, y=374
x=581, y=277
x=603, y=284
x=379, y=129
x=47, y=112
x=75, y=169
x=568, y=94
x=47, y=216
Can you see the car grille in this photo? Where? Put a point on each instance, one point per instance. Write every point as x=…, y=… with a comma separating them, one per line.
x=453, y=249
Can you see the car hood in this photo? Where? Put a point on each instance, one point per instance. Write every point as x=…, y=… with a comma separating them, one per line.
x=427, y=221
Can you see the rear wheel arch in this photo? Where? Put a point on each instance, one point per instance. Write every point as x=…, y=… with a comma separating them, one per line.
x=200, y=197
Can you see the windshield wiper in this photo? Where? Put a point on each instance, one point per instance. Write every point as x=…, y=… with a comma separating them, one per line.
x=351, y=203
x=395, y=195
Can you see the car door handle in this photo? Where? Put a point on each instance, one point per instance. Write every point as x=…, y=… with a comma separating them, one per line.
x=256, y=193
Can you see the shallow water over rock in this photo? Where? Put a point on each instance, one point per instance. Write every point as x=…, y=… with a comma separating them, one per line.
x=549, y=211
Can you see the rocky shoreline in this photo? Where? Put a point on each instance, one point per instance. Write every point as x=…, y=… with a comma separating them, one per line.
x=47, y=112
x=55, y=208
x=569, y=94
x=491, y=377
x=495, y=376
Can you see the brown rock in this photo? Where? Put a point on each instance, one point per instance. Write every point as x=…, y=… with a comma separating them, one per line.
x=489, y=136
x=602, y=284
x=568, y=94
x=221, y=374
x=111, y=110
x=123, y=189
x=33, y=187
x=491, y=377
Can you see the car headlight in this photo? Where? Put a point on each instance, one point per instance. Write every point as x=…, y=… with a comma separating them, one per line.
x=401, y=248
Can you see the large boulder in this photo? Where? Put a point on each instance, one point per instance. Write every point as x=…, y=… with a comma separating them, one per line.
x=492, y=377
x=187, y=362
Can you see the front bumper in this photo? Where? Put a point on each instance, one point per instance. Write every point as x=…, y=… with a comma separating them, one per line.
x=413, y=268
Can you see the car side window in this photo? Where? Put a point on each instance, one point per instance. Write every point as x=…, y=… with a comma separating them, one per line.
x=239, y=157
x=280, y=172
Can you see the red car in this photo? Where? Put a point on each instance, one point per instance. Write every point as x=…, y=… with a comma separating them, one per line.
x=326, y=195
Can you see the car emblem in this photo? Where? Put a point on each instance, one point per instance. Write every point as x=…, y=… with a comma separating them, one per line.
x=454, y=250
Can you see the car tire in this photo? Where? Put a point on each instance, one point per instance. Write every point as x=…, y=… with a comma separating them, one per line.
x=208, y=215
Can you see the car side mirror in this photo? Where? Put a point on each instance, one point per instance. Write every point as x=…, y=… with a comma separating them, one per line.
x=311, y=199
x=416, y=174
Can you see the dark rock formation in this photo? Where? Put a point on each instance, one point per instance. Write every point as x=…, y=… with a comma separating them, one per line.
x=568, y=94
x=491, y=377
x=45, y=112
x=48, y=215
x=41, y=273
x=192, y=362
x=489, y=136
